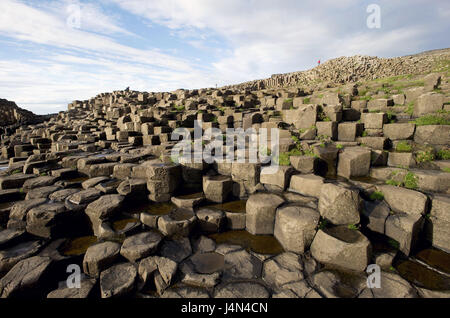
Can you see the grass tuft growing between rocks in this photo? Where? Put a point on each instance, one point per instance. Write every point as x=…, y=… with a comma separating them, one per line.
x=425, y=156
x=376, y=195
x=443, y=154
x=432, y=119
x=409, y=181
x=403, y=146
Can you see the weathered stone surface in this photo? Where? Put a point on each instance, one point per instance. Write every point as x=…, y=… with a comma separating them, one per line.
x=309, y=185
x=11, y=256
x=354, y=162
x=85, y=290
x=429, y=103
x=14, y=181
x=376, y=214
x=162, y=270
x=217, y=188
x=295, y=227
x=404, y=200
x=118, y=280
x=341, y=247
x=433, y=134
x=140, y=245
x=399, y=131
x=241, y=290
x=283, y=269
x=99, y=257
x=210, y=220
x=25, y=275
x=105, y=207
x=261, y=207
x=278, y=177
x=179, y=221
x=339, y=205
x=438, y=231
x=404, y=228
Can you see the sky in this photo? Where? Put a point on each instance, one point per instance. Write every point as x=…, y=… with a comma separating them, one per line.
x=54, y=52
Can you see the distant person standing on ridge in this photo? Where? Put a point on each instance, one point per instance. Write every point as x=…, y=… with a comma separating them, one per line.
x=318, y=62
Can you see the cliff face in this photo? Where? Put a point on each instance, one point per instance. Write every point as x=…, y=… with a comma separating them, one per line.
x=11, y=114
x=352, y=69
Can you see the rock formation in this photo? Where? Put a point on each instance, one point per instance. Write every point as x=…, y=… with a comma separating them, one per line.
x=363, y=180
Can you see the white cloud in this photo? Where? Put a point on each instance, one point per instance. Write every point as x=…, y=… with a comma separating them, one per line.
x=242, y=40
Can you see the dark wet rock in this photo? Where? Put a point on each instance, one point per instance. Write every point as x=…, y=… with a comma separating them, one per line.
x=14, y=181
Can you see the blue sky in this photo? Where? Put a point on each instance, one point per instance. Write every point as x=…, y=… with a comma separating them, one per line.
x=46, y=60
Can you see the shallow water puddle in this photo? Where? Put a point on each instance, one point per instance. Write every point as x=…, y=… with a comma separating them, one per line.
x=435, y=258
x=422, y=276
x=125, y=224
x=78, y=246
x=232, y=207
x=262, y=244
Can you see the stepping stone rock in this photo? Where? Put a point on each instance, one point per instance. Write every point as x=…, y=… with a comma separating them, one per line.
x=210, y=220
x=179, y=221
x=404, y=200
x=99, y=257
x=140, y=245
x=261, y=208
x=25, y=275
x=85, y=290
x=354, y=162
x=339, y=205
x=342, y=247
x=47, y=220
x=309, y=185
x=217, y=188
x=118, y=280
x=295, y=227
x=11, y=256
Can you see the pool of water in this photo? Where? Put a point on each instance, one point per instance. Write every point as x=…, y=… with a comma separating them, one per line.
x=232, y=207
x=262, y=244
x=78, y=246
x=153, y=208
